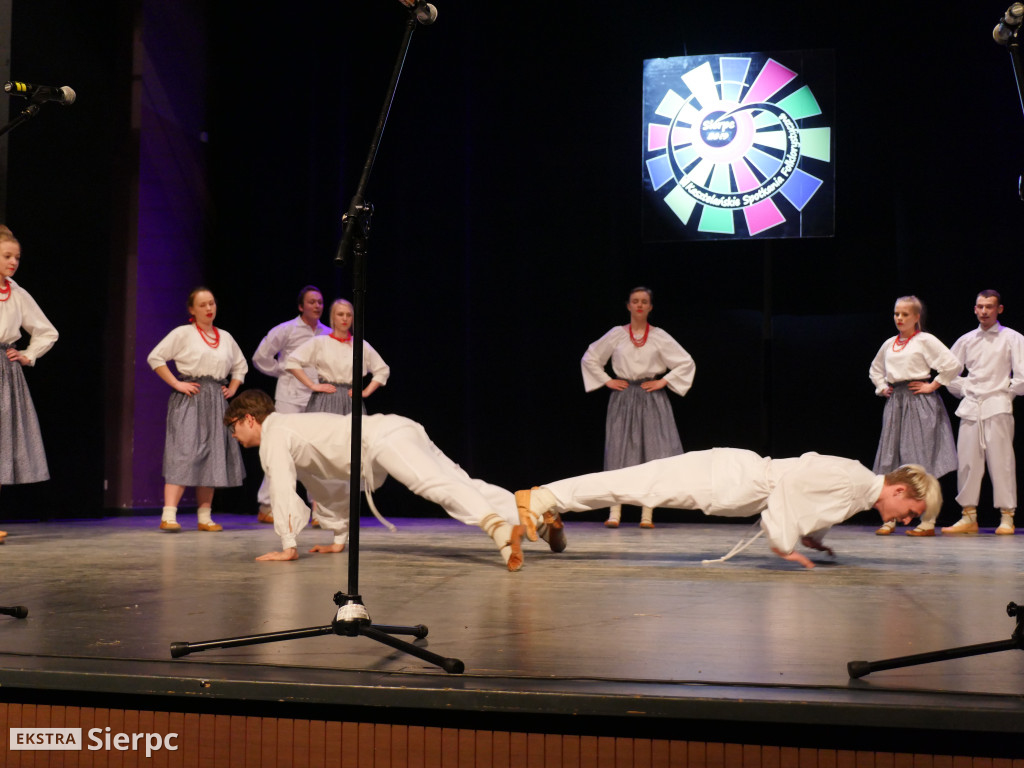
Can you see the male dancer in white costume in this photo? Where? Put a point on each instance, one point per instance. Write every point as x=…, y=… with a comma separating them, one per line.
x=315, y=448
x=994, y=357
x=798, y=499
x=270, y=357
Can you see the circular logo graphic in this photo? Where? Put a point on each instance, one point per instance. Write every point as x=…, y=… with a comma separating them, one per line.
x=726, y=141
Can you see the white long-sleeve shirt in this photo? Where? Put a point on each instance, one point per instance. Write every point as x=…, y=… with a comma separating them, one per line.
x=275, y=349
x=915, y=361
x=994, y=360
x=332, y=361
x=814, y=492
x=316, y=449
x=661, y=353
x=21, y=311
x=193, y=357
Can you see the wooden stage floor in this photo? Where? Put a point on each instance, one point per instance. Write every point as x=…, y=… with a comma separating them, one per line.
x=625, y=622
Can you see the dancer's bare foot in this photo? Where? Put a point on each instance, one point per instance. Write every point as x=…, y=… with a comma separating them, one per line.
x=288, y=554
x=328, y=549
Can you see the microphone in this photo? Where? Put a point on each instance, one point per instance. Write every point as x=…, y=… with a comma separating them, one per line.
x=425, y=13
x=40, y=93
x=1009, y=25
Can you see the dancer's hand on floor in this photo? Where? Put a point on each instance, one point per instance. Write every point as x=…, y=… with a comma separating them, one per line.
x=328, y=549
x=811, y=543
x=795, y=557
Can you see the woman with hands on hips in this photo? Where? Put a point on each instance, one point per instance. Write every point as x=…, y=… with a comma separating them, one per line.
x=639, y=426
x=915, y=425
x=331, y=356
x=198, y=450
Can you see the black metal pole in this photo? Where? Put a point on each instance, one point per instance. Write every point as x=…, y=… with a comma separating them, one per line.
x=180, y=649
x=1018, y=69
x=352, y=619
x=858, y=669
x=354, y=238
x=356, y=206
x=19, y=611
x=27, y=113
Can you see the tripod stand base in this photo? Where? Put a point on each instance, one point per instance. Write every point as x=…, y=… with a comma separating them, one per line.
x=379, y=632
x=17, y=611
x=857, y=669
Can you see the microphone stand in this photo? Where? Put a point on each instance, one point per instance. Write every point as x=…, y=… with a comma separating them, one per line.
x=1018, y=73
x=24, y=116
x=19, y=611
x=1013, y=45
x=352, y=618
x=858, y=669
x=1007, y=33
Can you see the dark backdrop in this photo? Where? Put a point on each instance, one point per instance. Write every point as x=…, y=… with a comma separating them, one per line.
x=507, y=231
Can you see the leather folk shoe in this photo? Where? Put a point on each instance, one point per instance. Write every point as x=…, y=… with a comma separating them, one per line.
x=266, y=514
x=883, y=531
x=515, y=560
x=526, y=518
x=964, y=525
x=169, y=526
x=211, y=527
x=555, y=531
x=921, y=532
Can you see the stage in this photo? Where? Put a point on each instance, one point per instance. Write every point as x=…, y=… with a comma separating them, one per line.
x=624, y=630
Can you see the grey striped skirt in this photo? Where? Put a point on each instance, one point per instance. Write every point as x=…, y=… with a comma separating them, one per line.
x=915, y=430
x=22, y=458
x=199, y=449
x=339, y=401
x=639, y=427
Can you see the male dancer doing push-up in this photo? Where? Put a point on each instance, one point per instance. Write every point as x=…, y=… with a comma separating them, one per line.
x=798, y=499
x=315, y=448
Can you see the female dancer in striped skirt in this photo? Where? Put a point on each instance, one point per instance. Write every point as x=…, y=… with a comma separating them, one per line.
x=331, y=356
x=915, y=425
x=198, y=449
x=22, y=458
x=639, y=426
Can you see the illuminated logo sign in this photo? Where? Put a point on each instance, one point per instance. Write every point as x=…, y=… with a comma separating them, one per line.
x=737, y=145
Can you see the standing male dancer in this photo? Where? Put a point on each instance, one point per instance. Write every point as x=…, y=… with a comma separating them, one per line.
x=994, y=357
x=290, y=396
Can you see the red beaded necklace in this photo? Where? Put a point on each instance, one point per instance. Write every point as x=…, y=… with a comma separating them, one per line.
x=5, y=292
x=641, y=341
x=206, y=337
x=899, y=346
x=346, y=340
